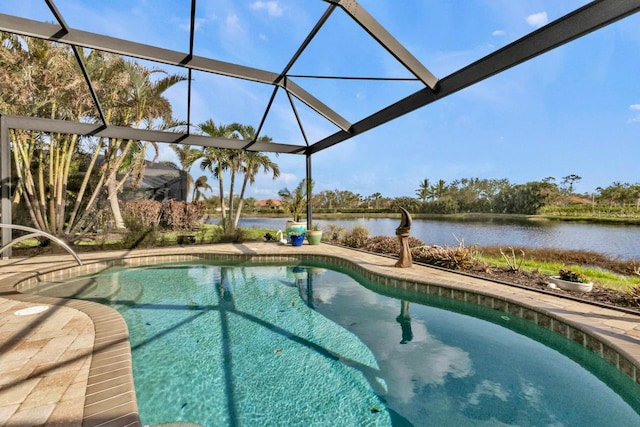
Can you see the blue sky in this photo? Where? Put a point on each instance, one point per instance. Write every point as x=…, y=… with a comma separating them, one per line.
x=574, y=110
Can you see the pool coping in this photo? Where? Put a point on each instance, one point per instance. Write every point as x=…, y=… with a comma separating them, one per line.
x=110, y=396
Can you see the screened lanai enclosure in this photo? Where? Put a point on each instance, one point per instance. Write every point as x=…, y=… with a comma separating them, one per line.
x=290, y=84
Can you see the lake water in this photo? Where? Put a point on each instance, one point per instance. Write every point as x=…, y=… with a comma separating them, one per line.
x=617, y=241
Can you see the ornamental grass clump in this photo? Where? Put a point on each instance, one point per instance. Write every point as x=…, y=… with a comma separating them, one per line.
x=356, y=237
x=460, y=257
x=634, y=295
x=389, y=245
x=572, y=276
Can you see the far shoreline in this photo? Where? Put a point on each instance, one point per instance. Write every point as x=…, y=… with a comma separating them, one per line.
x=455, y=217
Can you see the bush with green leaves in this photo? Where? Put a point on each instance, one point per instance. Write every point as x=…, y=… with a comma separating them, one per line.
x=572, y=276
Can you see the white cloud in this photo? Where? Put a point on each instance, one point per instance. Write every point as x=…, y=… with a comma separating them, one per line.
x=499, y=33
x=288, y=179
x=272, y=7
x=198, y=23
x=233, y=22
x=537, y=19
x=487, y=388
x=634, y=107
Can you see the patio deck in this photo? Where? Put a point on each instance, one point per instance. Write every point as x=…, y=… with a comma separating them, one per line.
x=71, y=365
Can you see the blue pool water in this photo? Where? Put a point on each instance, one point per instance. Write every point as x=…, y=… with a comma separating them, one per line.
x=278, y=345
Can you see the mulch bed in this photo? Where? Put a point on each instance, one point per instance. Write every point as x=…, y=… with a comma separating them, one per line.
x=539, y=281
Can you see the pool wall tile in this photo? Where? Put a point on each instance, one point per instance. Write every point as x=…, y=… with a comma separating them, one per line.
x=530, y=315
x=499, y=304
x=625, y=366
x=593, y=344
x=544, y=321
x=576, y=335
x=433, y=290
x=610, y=354
x=471, y=297
x=486, y=301
x=514, y=309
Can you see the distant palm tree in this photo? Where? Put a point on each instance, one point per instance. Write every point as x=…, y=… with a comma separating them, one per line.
x=187, y=156
x=199, y=185
x=376, y=198
x=438, y=190
x=423, y=190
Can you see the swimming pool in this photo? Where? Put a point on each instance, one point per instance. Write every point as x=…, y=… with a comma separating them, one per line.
x=277, y=345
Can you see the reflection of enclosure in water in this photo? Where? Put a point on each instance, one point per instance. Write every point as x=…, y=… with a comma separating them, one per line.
x=304, y=282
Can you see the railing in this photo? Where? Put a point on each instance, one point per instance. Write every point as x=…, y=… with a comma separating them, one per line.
x=35, y=233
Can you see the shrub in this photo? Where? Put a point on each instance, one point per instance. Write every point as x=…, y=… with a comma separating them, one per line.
x=334, y=232
x=140, y=238
x=460, y=257
x=230, y=236
x=634, y=295
x=356, y=237
x=182, y=215
x=389, y=245
x=142, y=215
x=572, y=276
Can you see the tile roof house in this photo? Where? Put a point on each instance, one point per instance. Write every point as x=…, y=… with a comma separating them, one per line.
x=268, y=203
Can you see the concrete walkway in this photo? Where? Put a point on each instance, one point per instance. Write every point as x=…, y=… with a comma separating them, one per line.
x=70, y=364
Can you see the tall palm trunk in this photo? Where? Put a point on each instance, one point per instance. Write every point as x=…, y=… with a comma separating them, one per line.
x=241, y=201
x=222, y=212
x=112, y=196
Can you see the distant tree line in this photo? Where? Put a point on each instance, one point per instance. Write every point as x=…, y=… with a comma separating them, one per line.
x=489, y=196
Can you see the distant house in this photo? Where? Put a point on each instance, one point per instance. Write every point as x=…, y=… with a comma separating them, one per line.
x=268, y=203
x=160, y=182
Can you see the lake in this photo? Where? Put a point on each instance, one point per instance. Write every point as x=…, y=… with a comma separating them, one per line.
x=616, y=241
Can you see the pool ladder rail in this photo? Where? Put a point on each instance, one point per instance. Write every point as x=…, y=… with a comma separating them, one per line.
x=35, y=233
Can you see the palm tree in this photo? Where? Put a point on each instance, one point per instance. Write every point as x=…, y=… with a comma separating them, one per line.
x=143, y=104
x=376, y=198
x=251, y=164
x=187, y=156
x=217, y=160
x=423, y=190
x=254, y=162
x=199, y=185
x=439, y=189
x=38, y=78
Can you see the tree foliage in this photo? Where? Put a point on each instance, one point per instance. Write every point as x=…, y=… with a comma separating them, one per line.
x=65, y=180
